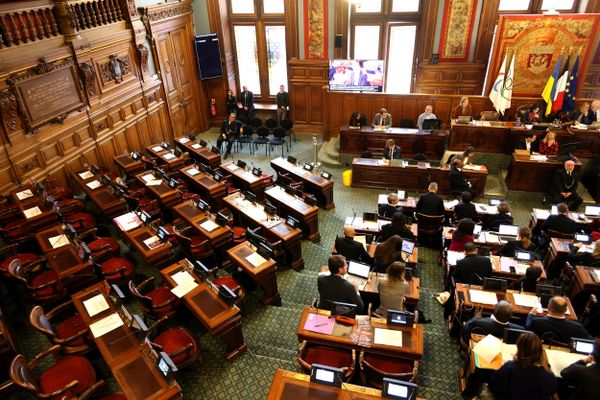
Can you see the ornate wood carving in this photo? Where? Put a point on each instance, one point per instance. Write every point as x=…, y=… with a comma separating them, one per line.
x=143, y=54
x=115, y=69
x=131, y=8
x=8, y=109
x=87, y=74
x=157, y=15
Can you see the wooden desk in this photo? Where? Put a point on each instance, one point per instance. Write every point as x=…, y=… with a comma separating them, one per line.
x=128, y=165
x=462, y=290
x=539, y=215
x=157, y=256
x=129, y=361
x=43, y=238
x=316, y=185
x=162, y=192
x=588, y=147
x=290, y=205
x=289, y=385
x=275, y=229
x=532, y=176
x=199, y=153
x=165, y=157
x=412, y=141
x=412, y=339
x=558, y=251
x=372, y=227
x=265, y=274
x=374, y=173
x=217, y=317
x=245, y=180
x=211, y=190
x=104, y=198
x=584, y=286
x=409, y=205
x=218, y=237
x=485, y=238
x=490, y=137
x=46, y=218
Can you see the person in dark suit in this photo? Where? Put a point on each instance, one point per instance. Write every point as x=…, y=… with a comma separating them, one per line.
x=247, y=101
x=581, y=114
x=527, y=143
x=431, y=203
x=523, y=243
x=388, y=210
x=564, y=187
x=283, y=103
x=396, y=227
x=560, y=222
x=592, y=259
x=465, y=209
x=333, y=287
x=350, y=248
x=492, y=222
x=357, y=120
x=584, y=376
x=525, y=377
x=493, y=325
x=392, y=151
x=473, y=268
x=230, y=130
x=458, y=182
x=555, y=325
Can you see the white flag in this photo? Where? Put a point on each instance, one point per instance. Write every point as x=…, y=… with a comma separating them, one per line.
x=506, y=92
x=495, y=96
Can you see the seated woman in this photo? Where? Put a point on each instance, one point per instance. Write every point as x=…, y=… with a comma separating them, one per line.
x=549, y=145
x=592, y=259
x=465, y=209
x=523, y=243
x=387, y=252
x=468, y=155
x=492, y=222
x=463, y=109
x=357, y=120
x=525, y=377
x=534, y=114
x=392, y=289
x=392, y=150
x=529, y=281
x=396, y=227
x=462, y=234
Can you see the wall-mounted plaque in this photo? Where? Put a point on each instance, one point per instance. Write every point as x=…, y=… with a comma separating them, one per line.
x=47, y=93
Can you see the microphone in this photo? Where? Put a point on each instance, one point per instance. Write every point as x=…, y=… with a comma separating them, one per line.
x=353, y=216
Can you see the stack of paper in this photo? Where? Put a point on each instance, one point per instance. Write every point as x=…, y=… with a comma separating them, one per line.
x=128, y=221
x=541, y=214
x=32, y=212
x=152, y=242
x=559, y=360
x=488, y=348
x=483, y=297
x=157, y=148
x=319, y=324
x=185, y=283
x=25, y=194
x=454, y=256
x=209, y=225
x=256, y=260
x=527, y=300
x=506, y=263
x=489, y=237
x=154, y=182
x=196, y=146
x=521, y=268
x=450, y=204
x=105, y=325
x=193, y=171
x=94, y=184
x=86, y=175
x=95, y=305
x=388, y=337
x=232, y=167
x=58, y=241
x=184, y=140
x=168, y=156
x=596, y=272
x=148, y=177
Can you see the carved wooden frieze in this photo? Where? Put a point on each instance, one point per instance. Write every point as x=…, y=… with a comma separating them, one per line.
x=8, y=109
x=160, y=14
x=131, y=8
x=143, y=54
x=115, y=69
x=46, y=93
x=87, y=73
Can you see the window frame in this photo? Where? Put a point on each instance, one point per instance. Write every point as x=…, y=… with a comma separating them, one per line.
x=413, y=76
x=535, y=7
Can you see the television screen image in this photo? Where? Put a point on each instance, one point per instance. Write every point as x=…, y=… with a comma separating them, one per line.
x=356, y=75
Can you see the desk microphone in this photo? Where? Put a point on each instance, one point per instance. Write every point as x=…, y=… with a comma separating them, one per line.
x=353, y=216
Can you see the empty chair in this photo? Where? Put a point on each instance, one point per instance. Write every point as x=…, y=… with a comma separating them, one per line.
x=245, y=138
x=156, y=302
x=489, y=116
x=271, y=124
x=406, y=123
x=43, y=284
x=310, y=354
x=102, y=248
x=16, y=231
x=195, y=246
x=63, y=326
x=262, y=139
x=26, y=259
x=255, y=123
x=278, y=140
x=67, y=377
x=288, y=125
x=115, y=270
x=70, y=206
x=179, y=343
x=429, y=230
x=375, y=367
x=80, y=220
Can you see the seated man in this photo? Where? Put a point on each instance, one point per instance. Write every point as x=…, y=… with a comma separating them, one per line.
x=391, y=208
x=382, y=119
x=527, y=143
x=560, y=222
x=493, y=221
x=392, y=150
x=350, y=248
x=428, y=114
x=473, y=268
x=230, y=130
x=494, y=325
x=580, y=114
x=333, y=287
x=458, y=182
x=431, y=203
x=564, y=187
x=555, y=325
x=465, y=209
x=357, y=120
x=584, y=376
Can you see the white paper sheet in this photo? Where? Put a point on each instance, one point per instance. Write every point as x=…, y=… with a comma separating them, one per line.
x=232, y=167
x=152, y=242
x=527, y=300
x=157, y=148
x=559, y=360
x=193, y=171
x=596, y=272
x=183, y=289
x=32, y=212
x=184, y=140
x=488, y=348
x=93, y=184
x=168, y=156
x=182, y=277
x=387, y=337
x=128, y=221
x=25, y=194
x=454, y=256
x=95, y=305
x=58, y=241
x=154, y=182
x=483, y=297
x=105, y=325
x=450, y=204
x=196, y=146
x=256, y=259
x=148, y=177
x=86, y=175
x=209, y=225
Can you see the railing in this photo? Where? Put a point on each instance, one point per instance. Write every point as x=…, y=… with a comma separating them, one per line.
x=27, y=26
x=91, y=14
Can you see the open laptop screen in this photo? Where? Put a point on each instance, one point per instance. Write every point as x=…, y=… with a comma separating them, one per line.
x=508, y=230
x=592, y=210
x=359, y=269
x=408, y=246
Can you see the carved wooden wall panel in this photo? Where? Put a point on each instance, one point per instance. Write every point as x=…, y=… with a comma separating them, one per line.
x=463, y=78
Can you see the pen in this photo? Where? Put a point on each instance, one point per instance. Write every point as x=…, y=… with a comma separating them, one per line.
x=316, y=326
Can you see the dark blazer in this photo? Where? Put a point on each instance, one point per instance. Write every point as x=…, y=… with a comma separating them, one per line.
x=336, y=288
x=508, y=250
x=522, y=146
x=388, y=210
x=586, y=119
x=387, y=231
x=397, y=153
x=360, y=121
x=430, y=204
x=592, y=116
x=486, y=326
x=282, y=99
x=559, y=223
x=562, y=329
x=561, y=182
x=586, y=380
x=247, y=100
x=513, y=382
x=470, y=266
x=352, y=250
x=493, y=221
x=465, y=210
x=231, y=130
x=458, y=182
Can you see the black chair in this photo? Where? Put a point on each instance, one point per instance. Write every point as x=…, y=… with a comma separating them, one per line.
x=255, y=123
x=271, y=124
x=262, y=139
x=278, y=140
x=288, y=125
x=406, y=123
x=245, y=138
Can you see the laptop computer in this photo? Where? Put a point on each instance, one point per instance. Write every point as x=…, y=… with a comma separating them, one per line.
x=583, y=238
x=407, y=249
x=358, y=273
x=593, y=211
x=521, y=255
x=508, y=232
x=477, y=230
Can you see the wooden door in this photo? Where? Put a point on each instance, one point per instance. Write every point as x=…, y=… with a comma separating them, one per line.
x=170, y=79
x=186, y=71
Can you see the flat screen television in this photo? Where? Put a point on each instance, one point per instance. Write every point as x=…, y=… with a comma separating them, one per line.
x=356, y=75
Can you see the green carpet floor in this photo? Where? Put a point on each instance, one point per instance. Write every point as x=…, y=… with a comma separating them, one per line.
x=270, y=331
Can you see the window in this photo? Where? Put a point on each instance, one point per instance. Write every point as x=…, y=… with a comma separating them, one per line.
x=386, y=30
x=536, y=6
x=557, y=4
x=514, y=5
x=258, y=31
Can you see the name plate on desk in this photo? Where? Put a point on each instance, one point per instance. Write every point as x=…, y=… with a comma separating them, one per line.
x=388, y=337
x=105, y=325
x=25, y=194
x=32, y=212
x=86, y=175
x=256, y=260
x=58, y=241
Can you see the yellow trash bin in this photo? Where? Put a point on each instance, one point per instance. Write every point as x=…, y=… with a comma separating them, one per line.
x=347, y=177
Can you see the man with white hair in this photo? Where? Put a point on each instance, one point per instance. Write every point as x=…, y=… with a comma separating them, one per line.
x=594, y=113
x=564, y=187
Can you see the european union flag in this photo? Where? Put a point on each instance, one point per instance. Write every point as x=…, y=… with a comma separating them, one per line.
x=571, y=88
